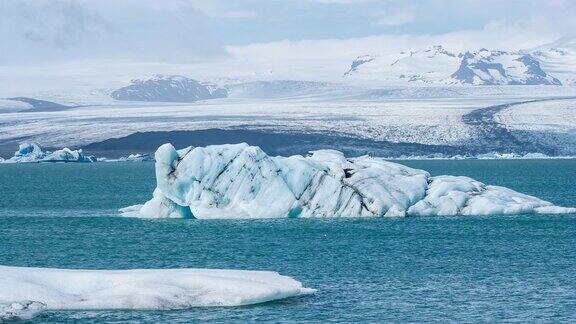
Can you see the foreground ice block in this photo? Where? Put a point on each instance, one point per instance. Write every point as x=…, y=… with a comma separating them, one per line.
x=24, y=291
x=241, y=181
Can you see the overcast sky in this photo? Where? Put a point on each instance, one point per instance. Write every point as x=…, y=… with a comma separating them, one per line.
x=188, y=30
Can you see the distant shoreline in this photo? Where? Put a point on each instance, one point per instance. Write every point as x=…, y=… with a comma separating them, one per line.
x=283, y=143
x=272, y=142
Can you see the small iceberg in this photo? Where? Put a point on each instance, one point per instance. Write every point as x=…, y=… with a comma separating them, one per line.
x=138, y=289
x=20, y=311
x=33, y=153
x=137, y=157
x=241, y=181
x=510, y=156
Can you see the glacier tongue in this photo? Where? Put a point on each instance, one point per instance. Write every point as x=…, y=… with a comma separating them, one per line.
x=241, y=181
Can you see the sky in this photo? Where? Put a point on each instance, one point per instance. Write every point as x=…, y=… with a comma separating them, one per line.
x=248, y=21
x=192, y=30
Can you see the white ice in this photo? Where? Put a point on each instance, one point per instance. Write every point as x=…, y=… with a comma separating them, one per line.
x=241, y=181
x=152, y=289
x=136, y=157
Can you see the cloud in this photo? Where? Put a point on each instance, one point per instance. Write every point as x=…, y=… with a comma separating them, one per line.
x=352, y=2
x=191, y=30
x=396, y=17
x=327, y=59
x=46, y=30
x=234, y=14
x=222, y=9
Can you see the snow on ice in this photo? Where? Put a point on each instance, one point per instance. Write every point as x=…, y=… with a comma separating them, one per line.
x=26, y=291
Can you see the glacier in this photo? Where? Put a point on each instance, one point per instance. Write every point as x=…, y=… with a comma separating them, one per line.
x=33, y=153
x=26, y=291
x=242, y=181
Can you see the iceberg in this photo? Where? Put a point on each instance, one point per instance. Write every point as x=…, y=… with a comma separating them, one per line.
x=241, y=181
x=139, y=289
x=137, y=157
x=20, y=311
x=33, y=153
x=451, y=195
x=27, y=152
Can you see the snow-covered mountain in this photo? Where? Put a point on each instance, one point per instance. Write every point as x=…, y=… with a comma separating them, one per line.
x=357, y=62
x=17, y=104
x=439, y=66
x=559, y=59
x=500, y=68
x=169, y=88
x=428, y=66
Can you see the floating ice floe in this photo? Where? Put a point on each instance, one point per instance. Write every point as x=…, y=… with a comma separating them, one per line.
x=32, y=152
x=151, y=289
x=241, y=181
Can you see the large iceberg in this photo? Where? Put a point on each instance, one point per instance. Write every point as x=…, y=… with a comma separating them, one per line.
x=25, y=291
x=32, y=152
x=241, y=181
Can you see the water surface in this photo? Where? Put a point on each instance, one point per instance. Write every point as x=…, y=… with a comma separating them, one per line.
x=496, y=268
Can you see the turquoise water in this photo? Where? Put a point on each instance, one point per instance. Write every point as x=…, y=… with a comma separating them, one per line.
x=498, y=268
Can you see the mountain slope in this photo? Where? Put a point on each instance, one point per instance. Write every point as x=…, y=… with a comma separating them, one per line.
x=500, y=68
x=437, y=65
x=172, y=88
x=559, y=58
x=427, y=66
